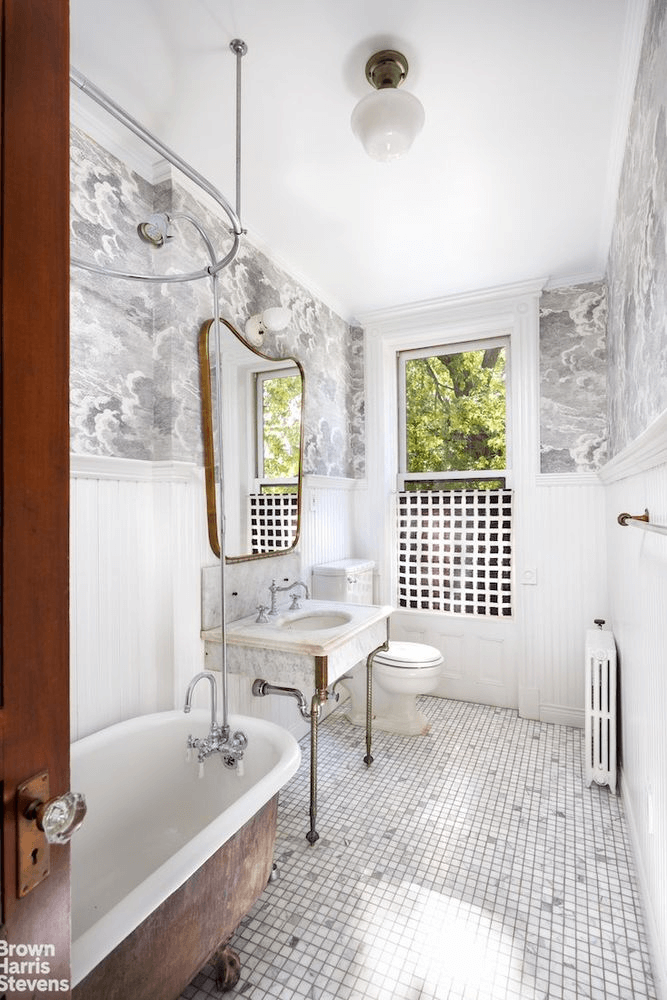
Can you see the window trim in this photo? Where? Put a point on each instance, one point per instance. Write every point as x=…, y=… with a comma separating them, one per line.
x=452, y=346
x=260, y=376
x=512, y=309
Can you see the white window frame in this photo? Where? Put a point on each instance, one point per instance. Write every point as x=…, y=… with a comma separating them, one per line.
x=456, y=347
x=260, y=376
x=512, y=310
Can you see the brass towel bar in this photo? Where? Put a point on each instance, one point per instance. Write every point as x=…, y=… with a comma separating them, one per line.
x=641, y=521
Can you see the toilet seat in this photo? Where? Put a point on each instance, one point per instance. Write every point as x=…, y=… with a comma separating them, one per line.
x=409, y=656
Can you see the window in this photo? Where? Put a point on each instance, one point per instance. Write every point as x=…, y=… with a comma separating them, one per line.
x=453, y=416
x=454, y=511
x=274, y=506
x=278, y=401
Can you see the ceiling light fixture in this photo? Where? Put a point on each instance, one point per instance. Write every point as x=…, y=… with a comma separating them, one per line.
x=387, y=121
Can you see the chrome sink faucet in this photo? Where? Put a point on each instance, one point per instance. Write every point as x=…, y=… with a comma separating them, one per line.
x=276, y=590
x=218, y=739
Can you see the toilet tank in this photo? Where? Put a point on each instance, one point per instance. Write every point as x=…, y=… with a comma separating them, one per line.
x=346, y=580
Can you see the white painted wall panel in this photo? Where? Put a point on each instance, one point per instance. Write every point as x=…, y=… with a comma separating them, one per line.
x=135, y=570
x=638, y=589
x=564, y=546
x=328, y=522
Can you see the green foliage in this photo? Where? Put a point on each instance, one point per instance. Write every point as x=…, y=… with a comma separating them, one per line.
x=456, y=411
x=281, y=413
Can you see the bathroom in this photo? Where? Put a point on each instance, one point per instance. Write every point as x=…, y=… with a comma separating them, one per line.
x=579, y=458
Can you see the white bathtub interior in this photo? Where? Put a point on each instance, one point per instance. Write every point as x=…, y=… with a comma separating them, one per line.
x=152, y=821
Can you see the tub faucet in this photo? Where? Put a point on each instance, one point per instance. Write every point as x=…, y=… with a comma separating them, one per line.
x=218, y=739
x=210, y=677
x=276, y=590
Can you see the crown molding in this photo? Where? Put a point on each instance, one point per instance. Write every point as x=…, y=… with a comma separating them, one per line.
x=570, y=280
x=87, y=116
x=432, y=310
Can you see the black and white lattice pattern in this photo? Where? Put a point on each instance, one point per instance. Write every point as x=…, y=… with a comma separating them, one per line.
x=455, y=551
x=273, y=521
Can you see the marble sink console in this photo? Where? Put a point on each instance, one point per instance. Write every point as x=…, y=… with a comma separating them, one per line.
x=306, y=650
x=362, y=629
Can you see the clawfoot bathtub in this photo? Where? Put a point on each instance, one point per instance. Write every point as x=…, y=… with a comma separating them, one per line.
x=167, y=862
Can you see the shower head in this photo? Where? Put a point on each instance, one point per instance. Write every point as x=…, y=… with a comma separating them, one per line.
x=156, y=229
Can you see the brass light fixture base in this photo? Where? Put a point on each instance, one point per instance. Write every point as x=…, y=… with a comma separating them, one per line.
x=387, y=68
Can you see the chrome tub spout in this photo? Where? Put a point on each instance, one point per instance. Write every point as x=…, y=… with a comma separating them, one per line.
x=210, y=677
x=219, y=740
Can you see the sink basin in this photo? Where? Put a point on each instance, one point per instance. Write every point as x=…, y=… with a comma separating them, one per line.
x=317, y=629
x=315, y=622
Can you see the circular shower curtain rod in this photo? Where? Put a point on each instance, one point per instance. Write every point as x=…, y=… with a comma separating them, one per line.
x=239, y=48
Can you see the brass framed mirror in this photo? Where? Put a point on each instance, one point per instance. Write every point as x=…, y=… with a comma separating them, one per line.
x=263, y=434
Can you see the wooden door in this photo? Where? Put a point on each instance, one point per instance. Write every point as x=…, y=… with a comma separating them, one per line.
x=34, y=717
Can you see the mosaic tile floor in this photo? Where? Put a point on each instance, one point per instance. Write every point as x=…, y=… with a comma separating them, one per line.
x=468, y=864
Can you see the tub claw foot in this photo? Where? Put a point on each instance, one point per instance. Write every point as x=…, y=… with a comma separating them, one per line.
x=227, y=965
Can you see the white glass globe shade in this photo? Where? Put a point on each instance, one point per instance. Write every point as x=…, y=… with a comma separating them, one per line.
x=386, y=122
x=275, y=318
x=272, y=319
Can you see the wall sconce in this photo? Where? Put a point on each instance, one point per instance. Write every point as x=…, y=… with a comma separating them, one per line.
x=387, y=121
x=270, y=321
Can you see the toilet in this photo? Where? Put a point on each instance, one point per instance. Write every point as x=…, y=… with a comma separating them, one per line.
x=400, y=673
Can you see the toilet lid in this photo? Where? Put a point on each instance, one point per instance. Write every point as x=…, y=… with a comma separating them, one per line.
x=411, y=655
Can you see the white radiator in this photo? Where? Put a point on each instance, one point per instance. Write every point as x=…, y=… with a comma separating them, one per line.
x=600, y=724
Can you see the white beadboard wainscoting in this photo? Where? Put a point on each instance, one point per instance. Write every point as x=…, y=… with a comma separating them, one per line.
x=138, y=544
x=331, y=521
x=535, y=660
x=137, y=535
x=561, y=587
x=637, y=480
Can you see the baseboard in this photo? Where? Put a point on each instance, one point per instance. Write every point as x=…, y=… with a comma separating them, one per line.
x=656, y=947
x=529, y=703
x=562, y=715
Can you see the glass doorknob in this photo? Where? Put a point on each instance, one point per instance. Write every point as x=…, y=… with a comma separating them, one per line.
x=59, y=818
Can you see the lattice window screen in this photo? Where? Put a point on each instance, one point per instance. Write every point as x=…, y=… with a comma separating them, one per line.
x=455, y=551
x=273, y=521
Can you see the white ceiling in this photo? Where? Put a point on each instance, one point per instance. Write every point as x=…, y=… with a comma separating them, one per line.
x=513, y=177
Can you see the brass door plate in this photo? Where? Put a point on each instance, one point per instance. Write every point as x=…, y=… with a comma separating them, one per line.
x=34, y=857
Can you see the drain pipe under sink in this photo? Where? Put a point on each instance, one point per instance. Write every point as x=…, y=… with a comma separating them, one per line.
x=261, y=689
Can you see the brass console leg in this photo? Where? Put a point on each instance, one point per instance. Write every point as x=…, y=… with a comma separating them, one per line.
x=312, y=834
x=368, y=759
